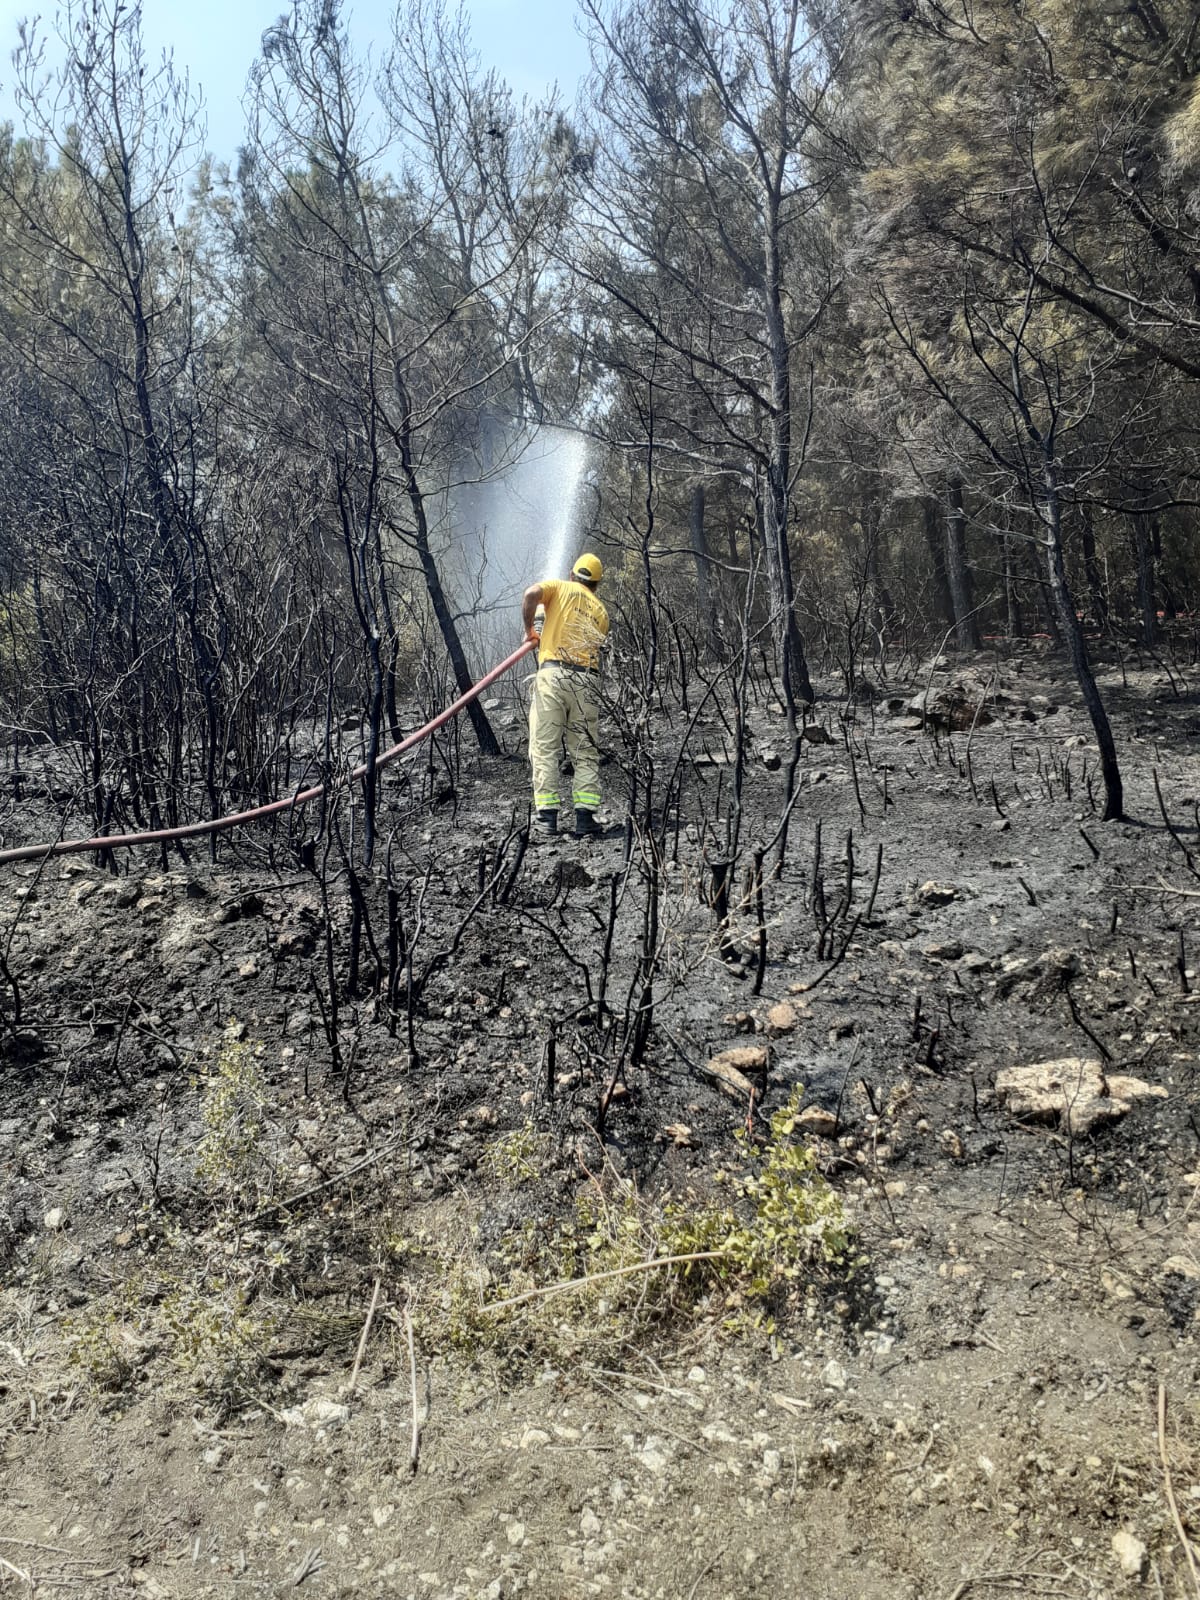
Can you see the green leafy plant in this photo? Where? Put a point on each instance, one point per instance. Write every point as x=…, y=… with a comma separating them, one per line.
x=519, y=1156
x=791, y=1222
x=214, y=1337
x=205, y=1326
x=585, y=1280
x=230, y=1157
x=112, y=1340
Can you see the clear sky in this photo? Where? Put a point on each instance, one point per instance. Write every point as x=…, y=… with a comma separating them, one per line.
x=531, y=43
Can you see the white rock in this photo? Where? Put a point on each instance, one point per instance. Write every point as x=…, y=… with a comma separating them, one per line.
x=653, y=1457
x=532, y=1437
x=324, y=1413
x=515, y=1533
x=53, y=1220
x=833, y=1375
x=1130, y=1553
x=589, y=1523
x=816, y=1120
x=717, y=1433
x=317, y=1413
x=1071, y=1091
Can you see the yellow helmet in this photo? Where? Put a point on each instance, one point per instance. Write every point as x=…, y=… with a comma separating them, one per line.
x=589, y=568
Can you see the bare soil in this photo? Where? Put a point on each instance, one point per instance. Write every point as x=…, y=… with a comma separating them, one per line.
x=975, y=1411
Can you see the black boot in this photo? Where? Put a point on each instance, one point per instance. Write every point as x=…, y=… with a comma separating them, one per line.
x=545, y=824
x=586, y=826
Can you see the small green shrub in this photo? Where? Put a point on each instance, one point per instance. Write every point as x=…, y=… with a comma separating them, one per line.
x=231, y=1156
x=520, y=1156
x=783, y=1226
x=112, y=1340
x=790, y=1223
x=214, y=1337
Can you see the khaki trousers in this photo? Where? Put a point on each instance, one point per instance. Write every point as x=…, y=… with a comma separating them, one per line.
x=565, y=717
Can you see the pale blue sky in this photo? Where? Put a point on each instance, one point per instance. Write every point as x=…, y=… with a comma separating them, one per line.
x=531, y=43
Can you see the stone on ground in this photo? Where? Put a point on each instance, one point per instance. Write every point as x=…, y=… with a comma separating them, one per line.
x=1071, y=1092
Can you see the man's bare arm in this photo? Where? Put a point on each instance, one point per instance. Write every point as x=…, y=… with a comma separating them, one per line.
x=529, y=605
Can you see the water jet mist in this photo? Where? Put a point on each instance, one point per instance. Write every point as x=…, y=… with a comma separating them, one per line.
x=516, y=527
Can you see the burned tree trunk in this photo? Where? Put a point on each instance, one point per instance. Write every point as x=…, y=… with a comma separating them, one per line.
x=705, y=600
x=1091, y=569
x=1012, y=595
x=1144, y=558
x=966, y=623
x=943, y=599
x=1056, y=573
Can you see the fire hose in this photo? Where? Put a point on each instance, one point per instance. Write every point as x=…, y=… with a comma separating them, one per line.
x=237, y=819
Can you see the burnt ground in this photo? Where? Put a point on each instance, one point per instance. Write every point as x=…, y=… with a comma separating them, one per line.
x=196, y=1210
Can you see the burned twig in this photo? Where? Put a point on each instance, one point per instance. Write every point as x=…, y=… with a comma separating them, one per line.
x=837, y=960
x=760, y=966
x=874, y=885
x=569, y=1285
x=414, y=1449
x=1082, y=1025
x=1172, y=829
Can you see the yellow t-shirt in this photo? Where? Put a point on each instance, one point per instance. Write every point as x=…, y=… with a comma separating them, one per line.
x=575, y=624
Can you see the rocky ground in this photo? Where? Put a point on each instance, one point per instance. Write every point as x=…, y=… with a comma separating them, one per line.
x=242, y=1343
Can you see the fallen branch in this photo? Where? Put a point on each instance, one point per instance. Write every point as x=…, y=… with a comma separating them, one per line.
x=1167, y=1485
x=704, y=1572
x=366, y=1333
x=1167, y=888
x=17, y=1573
x=414, y=1451
x=600, y=1277
x=317, y=1188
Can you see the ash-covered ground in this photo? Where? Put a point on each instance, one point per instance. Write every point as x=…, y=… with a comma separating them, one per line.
x=224, y=1155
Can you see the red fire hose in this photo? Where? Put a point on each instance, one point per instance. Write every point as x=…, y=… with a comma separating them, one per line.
x=196, y=830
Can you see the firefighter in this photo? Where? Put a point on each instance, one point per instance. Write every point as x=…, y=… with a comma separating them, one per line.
x=565, y=712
